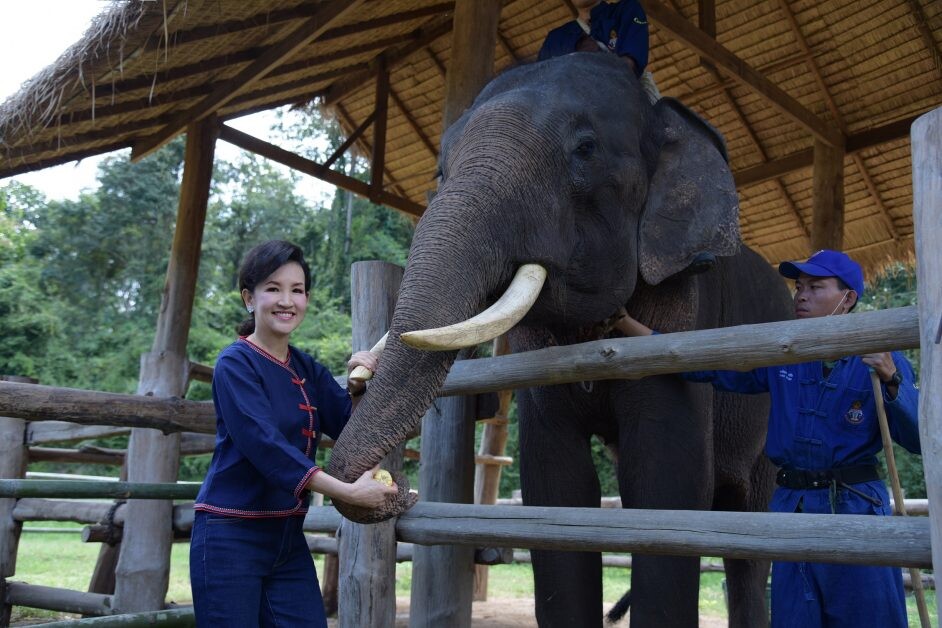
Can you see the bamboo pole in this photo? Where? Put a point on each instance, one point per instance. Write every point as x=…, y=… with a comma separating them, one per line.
x=899, y=504
x=927, y=221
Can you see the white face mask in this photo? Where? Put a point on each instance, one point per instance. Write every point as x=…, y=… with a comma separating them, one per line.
x=843, y=298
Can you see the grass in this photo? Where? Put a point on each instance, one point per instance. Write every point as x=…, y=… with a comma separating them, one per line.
x=62, y=560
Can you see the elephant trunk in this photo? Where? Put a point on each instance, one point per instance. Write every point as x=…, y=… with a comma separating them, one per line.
x=446, y=280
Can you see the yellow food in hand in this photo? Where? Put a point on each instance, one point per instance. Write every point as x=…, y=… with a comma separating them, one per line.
x=383, y=477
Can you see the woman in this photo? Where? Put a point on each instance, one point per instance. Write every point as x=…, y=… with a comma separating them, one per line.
x=249, y=561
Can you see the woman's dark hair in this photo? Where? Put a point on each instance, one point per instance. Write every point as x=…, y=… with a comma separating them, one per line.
x=260, y=263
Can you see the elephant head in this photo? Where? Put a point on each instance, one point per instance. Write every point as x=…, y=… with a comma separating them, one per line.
x=564, y=164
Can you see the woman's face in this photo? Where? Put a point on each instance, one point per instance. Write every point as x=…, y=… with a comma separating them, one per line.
x=280, y=301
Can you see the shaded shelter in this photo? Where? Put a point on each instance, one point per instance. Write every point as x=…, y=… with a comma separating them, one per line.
x=773, y=77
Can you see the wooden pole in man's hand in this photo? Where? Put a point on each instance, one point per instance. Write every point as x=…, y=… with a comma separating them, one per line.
x=914, y=574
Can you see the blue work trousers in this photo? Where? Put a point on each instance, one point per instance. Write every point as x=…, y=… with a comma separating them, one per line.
x=253, y=572
x=826, y=595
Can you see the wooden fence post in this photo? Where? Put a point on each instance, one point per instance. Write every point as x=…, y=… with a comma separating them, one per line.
x=143, y=570
x=443, y=576
x=367, y=553
x=13, y=460
x=927, y=221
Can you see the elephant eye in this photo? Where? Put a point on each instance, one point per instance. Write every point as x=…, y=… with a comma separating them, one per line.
x=586, y=148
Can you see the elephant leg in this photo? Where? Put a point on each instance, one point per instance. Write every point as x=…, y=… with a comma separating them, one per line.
x=556, y=469
x=744, y=478
x=665, y=462
x=745, y=586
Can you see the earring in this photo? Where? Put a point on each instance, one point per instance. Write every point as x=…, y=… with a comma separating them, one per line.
x=250, y=309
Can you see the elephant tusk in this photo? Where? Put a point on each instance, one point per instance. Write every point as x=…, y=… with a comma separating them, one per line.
x=361, y=373
x=489, y=324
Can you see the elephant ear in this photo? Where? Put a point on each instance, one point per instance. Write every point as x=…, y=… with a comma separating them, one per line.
x=692, y=208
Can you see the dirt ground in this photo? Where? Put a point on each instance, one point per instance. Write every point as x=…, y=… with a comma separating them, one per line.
x=514, y=613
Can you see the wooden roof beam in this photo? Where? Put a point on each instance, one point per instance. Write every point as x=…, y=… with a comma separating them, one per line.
x=836, y=114
x=416, y=128
x=378, y=156
x=922, y=25
x=707, y=18
x=804, y=159
x=348, y=120
x=421, y=37
x=278, y=16
x=739, y=70
x=314, y=169
x=328, y=14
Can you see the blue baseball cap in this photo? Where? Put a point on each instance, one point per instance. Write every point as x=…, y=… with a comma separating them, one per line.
x=827, y=263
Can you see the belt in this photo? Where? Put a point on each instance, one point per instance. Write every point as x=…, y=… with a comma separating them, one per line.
x=807, y=478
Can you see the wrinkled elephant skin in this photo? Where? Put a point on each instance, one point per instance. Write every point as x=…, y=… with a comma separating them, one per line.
x=566, y=164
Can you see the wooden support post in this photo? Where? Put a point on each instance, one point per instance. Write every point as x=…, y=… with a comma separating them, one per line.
x=378, y=161
x=368, y=552
x=706, y=20
x=486, y=473
x=143, y=570
x=827, y=230
x=927, y=221
x=103, y=576
x=13, y=460
x=472, y=54
x=443, y=575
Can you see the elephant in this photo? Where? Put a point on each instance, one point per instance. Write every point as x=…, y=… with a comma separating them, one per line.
x=566, y=165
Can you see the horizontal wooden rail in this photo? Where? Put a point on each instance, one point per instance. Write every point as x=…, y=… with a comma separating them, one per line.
x=851, y=539
x=743, y=347
x=33, y=402
x=80, y=489
x=176, y=617
x=57, y=599
x=848, y=539
x=913, y=506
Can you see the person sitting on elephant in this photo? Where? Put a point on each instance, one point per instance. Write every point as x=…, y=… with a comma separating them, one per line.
x=824, y=436
x=249, y=561
x=620, y=28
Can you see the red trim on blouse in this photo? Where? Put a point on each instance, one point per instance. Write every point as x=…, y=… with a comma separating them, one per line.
x=297, y=381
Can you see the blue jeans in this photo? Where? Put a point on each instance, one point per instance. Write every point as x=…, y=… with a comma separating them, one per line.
x=253, y=572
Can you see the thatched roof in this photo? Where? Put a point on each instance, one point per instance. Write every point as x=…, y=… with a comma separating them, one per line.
x=861, y=71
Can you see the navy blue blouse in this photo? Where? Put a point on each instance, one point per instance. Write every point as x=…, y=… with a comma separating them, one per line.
x=269, y=418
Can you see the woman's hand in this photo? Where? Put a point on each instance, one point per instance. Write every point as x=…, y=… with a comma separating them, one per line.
x=366, y=359
x=365, y=492
x=368, y=492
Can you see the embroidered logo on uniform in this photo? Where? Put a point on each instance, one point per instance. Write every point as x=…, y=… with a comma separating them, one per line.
x=612, y=39
x=855, y=415
x=786, y=375
x=638, y=20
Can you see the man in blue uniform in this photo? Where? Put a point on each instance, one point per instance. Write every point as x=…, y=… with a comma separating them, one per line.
x=824, y=436
x=620, y=28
